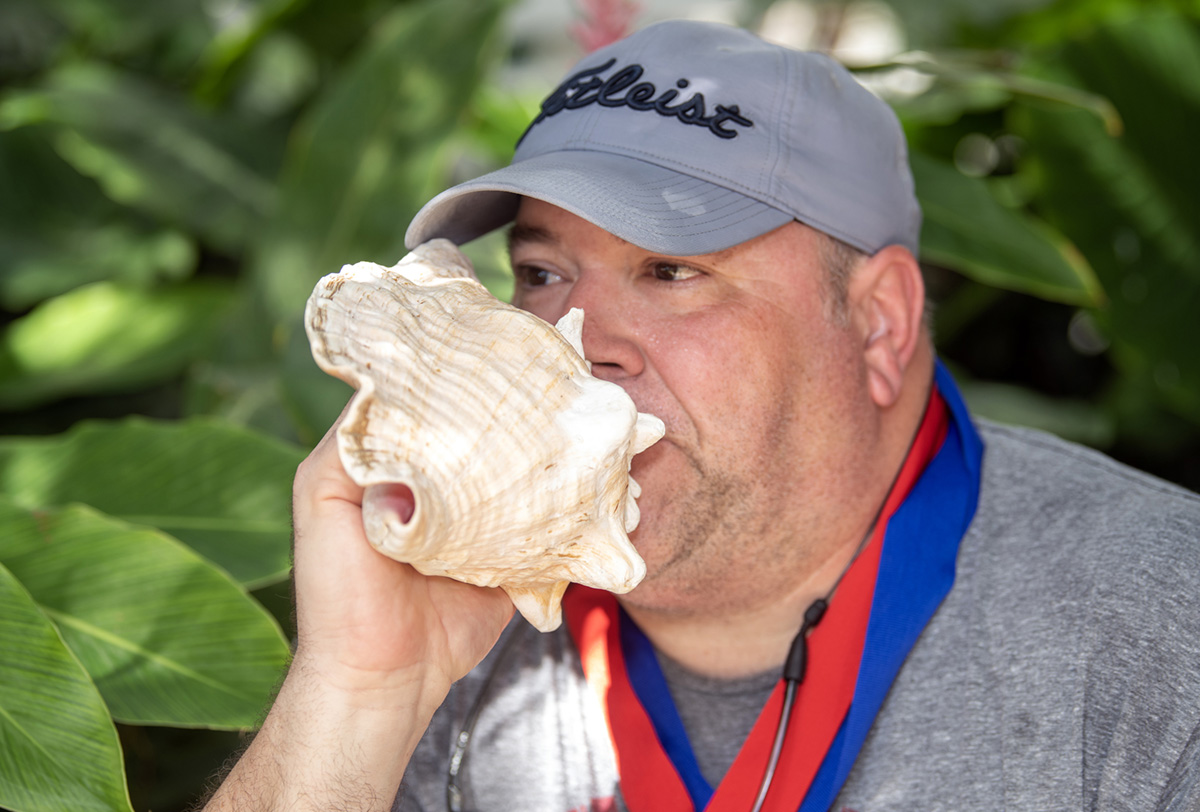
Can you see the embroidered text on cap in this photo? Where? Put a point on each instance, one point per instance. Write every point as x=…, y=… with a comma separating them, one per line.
x=586, y=87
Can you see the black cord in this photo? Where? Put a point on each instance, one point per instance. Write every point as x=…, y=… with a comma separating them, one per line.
x=796, y=664
x=789, y=698
x=794, y=668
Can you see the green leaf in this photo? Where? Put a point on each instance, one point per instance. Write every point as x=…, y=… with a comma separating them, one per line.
x=236, y=43
x=166, y=637
x=58, y=231
x=966, y=229
x=105, y=338
x=498, y=119
x=930, y=24
x=172, y=163
x=1142, y=64
x=47, y=261
x=314, y=398
x=979, y=80
x=1129, y=203
x=368, y=154
x=164, y=37
x=58, y=747
x=223, y=490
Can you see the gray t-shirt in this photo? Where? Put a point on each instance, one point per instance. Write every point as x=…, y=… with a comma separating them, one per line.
x=1062, y=672
x=716, y=713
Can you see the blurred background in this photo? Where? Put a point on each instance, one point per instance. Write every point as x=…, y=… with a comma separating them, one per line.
x=176, y=175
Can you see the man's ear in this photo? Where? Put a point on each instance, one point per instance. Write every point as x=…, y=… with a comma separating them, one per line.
x=887, y=298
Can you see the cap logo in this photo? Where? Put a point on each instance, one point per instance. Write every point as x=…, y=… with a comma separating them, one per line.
x=587, y=87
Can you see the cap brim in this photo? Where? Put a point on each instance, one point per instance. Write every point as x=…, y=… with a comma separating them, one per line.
x=648, y=205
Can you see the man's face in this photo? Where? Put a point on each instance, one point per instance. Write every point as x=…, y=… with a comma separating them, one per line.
x=764, y=398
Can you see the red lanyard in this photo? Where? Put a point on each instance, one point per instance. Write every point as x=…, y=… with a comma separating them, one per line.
x=650, y=781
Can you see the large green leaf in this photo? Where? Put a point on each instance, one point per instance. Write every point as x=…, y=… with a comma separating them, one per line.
x=157, y=155
x=58, y=231
x=929, y=24
x=165, y=37
x=1149, y=67
x=1129, y=202
x=235, y=44
x=58, y=747
x=964, y=81
x=314, y=398
x=166, y=637
x=224, y=490
x=104, y=338
x=967, y=229
x=369, y=152
x=49, y=260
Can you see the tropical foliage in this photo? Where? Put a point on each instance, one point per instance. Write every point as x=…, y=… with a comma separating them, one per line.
x=175, y=176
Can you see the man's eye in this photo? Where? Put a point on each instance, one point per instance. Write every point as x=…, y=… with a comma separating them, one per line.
x=532, y=276
x=668, y=272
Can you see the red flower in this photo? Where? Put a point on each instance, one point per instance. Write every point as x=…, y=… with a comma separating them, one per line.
x=604, y=22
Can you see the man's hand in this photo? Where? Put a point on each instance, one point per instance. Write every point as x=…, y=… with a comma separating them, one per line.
x=365, y=620
x=379, y=646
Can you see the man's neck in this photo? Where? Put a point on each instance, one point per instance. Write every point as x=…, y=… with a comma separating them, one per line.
x=731, y=645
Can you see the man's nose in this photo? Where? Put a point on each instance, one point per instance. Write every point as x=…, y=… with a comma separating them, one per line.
x=611, y=320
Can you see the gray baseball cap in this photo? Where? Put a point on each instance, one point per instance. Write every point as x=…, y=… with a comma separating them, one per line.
x=688, y=138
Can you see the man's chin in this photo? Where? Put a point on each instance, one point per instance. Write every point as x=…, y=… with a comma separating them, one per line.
x=660, y=555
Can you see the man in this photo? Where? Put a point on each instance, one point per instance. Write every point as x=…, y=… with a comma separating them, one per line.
x=961, y=624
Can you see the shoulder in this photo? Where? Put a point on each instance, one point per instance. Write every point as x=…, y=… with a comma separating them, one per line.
x=1065, y=473
x=1065, y=662
x=1065, y=527
x=1061, y=502
x=1084, y=573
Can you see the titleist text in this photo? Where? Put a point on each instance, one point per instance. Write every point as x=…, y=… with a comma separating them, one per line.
x=587, y=87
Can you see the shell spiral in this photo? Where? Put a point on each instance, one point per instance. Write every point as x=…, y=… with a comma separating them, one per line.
x=517, y=457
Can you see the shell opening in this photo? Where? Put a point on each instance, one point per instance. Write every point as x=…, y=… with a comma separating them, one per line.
x=397, y=499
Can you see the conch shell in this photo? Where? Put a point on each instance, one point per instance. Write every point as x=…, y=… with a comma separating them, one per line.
x=518, y=458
